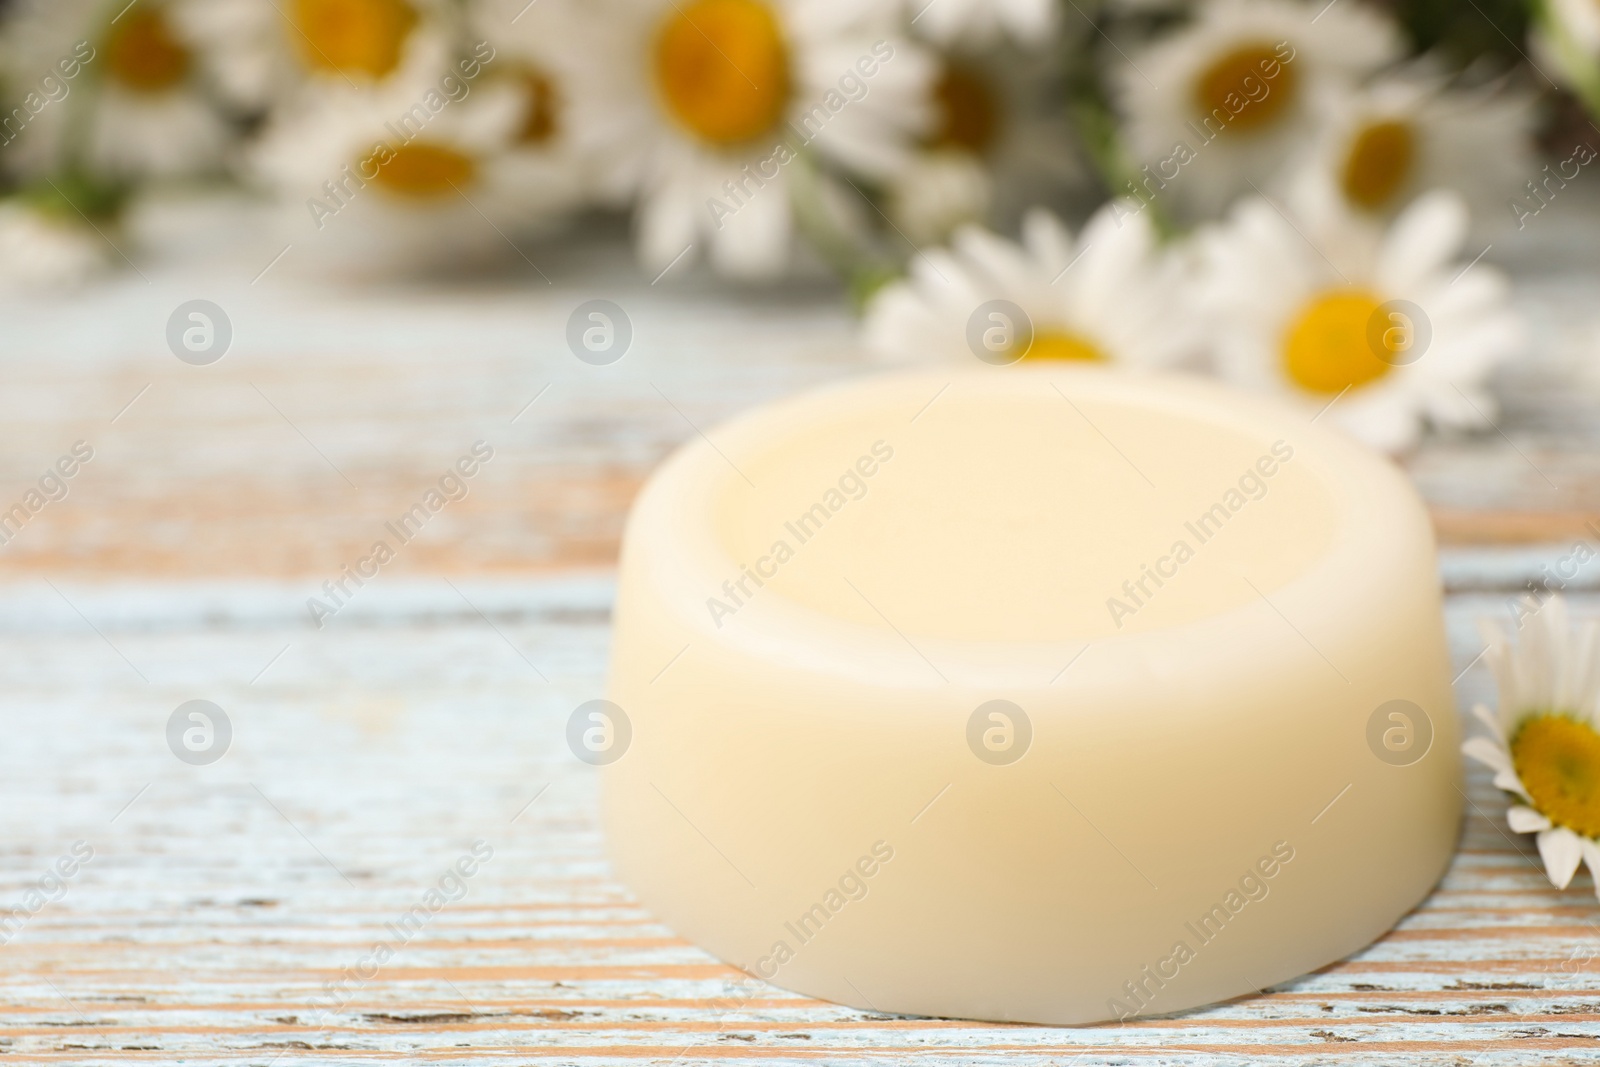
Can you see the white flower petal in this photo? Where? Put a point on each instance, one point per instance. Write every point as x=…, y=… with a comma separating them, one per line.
x=1385, y=420
x=754, y=243
x=1047, y=239
x=1325, y=47
x=1562, y=851
x=1120, y=268
x=38, y=252
x=1586, y=662
x=1488, y=753
x=1525, y=820
x=1508, y=781
x=1424, y=238
x=997, y=259
x=1591, y=856
x=1482, y=713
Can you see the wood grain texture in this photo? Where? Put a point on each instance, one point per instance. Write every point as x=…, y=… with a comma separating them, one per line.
x=337, y=406
x=369, y=756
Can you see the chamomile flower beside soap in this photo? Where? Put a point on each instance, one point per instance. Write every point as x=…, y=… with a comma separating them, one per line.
x=1106, y=295
x=268, y=52
x=142, y=108
x=1390, y=329
x=1543, y=742
x=1237, y=89
x=1381, y=145
x=724, y=96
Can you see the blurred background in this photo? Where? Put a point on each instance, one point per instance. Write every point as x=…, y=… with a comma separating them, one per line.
x=270, y=270
x=1382, y=209
x=397, y=207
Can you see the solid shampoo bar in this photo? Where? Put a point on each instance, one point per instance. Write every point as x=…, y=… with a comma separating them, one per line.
x=1033, y=694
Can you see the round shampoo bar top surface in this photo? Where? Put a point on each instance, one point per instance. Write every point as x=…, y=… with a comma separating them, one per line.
x=1033, y=694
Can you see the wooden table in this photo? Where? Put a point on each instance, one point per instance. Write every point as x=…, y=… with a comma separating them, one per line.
x=368, y=756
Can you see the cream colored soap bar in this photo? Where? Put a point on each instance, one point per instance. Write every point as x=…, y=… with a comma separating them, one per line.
x=1049, y=695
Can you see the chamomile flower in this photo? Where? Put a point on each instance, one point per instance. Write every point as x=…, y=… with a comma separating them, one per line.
x=373, y=186
x=264, y=52
x=1147, y=6
x=941, y=190
x=148, y=114
x=1384, y=144
x=1222, y=101
x=546, y=51
x=1104, y=296
x=1030, y=23
x=1383, y=327
x=1544, y=740
x=992, y=151
x=37, y=251
x=722, y=98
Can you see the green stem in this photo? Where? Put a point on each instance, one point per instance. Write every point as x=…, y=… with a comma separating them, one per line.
x=1099, y=132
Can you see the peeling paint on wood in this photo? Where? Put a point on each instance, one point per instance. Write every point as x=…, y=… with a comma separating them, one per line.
x=374, y=752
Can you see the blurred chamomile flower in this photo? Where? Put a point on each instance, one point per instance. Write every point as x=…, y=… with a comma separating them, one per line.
x=1107, y=296
x=1380, y=327
x=262, y=53
x=1029, y=23
x=376, y=187
x=41, y=252
x=718, y=100
x=995, y=149
x=1220, y=102
x=546, y=51
x=1383, y=144
x=142, y=106
x=1544, y=740
x=938, y=192
x=1147, y=7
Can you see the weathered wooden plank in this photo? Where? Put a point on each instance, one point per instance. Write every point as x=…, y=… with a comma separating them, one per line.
x=374, y=752
x=426, y=715
x=336, y=408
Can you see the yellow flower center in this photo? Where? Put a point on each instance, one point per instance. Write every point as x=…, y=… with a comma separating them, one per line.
x=542, y=120
x=1236, y=85
x=143, y=54
x=424, y=171
x=1328, y=348
x=969, y=115
x=1558, y=760
x=1379, y=162
x=722, y=69
x=353, y=36
x=1061, y=344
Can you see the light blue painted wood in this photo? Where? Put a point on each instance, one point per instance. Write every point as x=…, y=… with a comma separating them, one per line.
x=370, y=755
